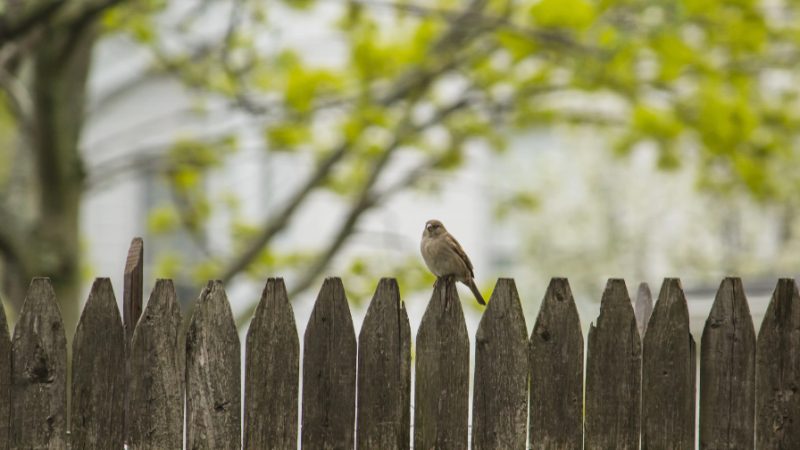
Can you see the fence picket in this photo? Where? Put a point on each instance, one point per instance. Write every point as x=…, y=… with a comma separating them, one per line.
x=329, y=371
x=667, y=373
x=98, y=375
x=272, y=371
x=384, y=372
x=39, y=372
x=441, y=390
x=213, y=374
x=778, y=370
x=556, y=368
x=132, y=298
x=156, y=390
x=727, y=371
x=499, y=402
x=5, y=379
x=613, y=373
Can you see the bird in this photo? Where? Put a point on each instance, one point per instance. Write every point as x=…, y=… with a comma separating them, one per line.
x=445, y=258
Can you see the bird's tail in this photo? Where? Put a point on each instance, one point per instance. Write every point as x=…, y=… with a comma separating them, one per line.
x=471, y=284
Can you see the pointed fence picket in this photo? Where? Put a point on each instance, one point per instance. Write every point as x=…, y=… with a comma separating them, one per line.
x=98, y=384
x=213, y=374
x=39, y=372
x=441, y=394
x=357, y=394
x=556, y=371
x=384, y=372
x=613, y=373
x=727, y=371
x=329, y=372
x=156, y=390
x=272, y=368
x=668, y=373
x=500, y=393
x=778, y=370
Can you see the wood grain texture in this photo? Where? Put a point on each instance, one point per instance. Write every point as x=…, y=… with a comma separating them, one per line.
x=98, y=377
x=441, y=393
x=5, y=380
x=778, y=371
x=613, y=373
x=39, y=372
x=384, y=372
x=500, y=392
x=556, y=371
x=156, y=390
x=132, y=298
x=213, y=374
x=727, y=371
x=272, y=365
x=668, y=376
x=329, y=372
x=643, y=308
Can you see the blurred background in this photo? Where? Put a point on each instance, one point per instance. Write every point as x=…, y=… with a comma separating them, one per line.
x=589, y=139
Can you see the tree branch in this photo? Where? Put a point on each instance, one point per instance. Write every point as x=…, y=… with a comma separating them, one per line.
x=41, y=15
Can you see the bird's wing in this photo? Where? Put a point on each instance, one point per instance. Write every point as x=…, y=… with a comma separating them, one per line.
x=453, y=243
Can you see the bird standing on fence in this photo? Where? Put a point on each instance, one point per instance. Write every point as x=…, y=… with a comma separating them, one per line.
x=445, y=258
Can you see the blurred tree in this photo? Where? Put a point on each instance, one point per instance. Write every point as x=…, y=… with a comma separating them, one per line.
x=709, y=80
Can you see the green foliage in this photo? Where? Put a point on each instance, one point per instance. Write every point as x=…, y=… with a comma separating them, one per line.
x=690, y=78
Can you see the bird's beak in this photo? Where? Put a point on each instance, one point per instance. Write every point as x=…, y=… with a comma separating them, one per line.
x=428, y=228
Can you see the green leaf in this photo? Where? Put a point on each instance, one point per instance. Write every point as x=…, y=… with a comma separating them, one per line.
x=574, y=14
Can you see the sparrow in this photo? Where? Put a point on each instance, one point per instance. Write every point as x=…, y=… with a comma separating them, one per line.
x=445, y=258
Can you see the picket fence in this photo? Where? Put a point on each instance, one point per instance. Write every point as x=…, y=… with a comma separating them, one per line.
x=147, y=385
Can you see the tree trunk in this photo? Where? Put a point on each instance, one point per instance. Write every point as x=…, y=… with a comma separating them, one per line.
x=60, y=65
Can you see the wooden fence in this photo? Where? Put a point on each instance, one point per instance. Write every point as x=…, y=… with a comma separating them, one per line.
x=357, y=389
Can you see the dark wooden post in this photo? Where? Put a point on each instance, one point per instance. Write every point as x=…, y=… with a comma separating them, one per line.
x=272, y=368
x=668, y=377
x=613, y=373
x=556, y=368
x=132, y=298
x=329, y=372
x=98, y=384
x=384, y=372
x=39, y=372
x=441, y=393
x=156, y=390
x=778, y=371
x=500, y=392
x=727, y=371
x=213, y=374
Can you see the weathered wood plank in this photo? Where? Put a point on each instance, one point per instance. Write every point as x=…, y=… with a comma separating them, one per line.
x=644, y=307
x=329, y=372
x=213, y=374
x=556, y=368
x=39, y=372
x=441, y=389
x=778, y=370
x=132, y=298
x=500, y=392
x=384, y=372
x=156, y=390
x=613, y=373
x=668, y=377
x=5, y=380
x=98, y=376
x=272, y=365
x=727, y=371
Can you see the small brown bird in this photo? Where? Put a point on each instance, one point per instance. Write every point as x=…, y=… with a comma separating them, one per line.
x=444, y=256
